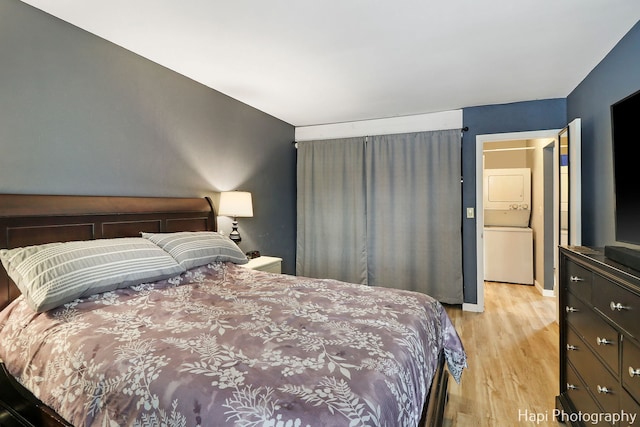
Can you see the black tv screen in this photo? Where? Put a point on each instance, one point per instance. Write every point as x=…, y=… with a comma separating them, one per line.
x=625, y=120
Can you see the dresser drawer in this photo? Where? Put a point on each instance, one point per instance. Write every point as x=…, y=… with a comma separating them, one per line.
x=631, y=407
x=595, y=331
x=603, y=386
x=577, y=351
x=631, y=367
x=579, y=280
x=619, y=304
x=577, y=392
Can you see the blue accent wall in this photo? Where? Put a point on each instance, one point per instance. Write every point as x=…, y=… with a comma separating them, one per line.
x=490, y=119
x=614, y=78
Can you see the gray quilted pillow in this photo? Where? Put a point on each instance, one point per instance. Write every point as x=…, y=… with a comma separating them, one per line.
x=196, y=248
x=56, y=273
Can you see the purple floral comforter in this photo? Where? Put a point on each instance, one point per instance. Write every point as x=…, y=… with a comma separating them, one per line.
x=222, y=345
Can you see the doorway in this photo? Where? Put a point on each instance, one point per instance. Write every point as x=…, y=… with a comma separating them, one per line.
x=546, y=207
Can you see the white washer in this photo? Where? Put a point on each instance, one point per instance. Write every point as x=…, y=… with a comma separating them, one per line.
x=508, y=254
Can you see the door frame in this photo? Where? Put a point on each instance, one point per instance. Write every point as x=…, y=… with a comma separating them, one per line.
x=480, y=140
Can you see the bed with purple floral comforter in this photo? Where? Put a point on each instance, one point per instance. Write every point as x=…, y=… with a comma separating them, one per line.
x=226, y=346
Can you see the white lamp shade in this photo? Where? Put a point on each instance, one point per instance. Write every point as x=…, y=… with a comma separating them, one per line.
x=236, y=204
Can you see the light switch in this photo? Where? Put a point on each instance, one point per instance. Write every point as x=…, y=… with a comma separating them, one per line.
x=470, y=213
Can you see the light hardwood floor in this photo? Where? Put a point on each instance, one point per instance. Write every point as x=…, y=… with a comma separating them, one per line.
x=512, y=351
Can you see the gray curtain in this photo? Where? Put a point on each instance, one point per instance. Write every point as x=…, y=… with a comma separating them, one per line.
x=331, y=226
x=414, y=213
x=384, y=211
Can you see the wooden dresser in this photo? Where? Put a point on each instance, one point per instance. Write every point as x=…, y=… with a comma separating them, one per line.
x=599, y=305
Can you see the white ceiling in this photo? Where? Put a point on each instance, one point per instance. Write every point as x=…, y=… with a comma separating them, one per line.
x=315, y=62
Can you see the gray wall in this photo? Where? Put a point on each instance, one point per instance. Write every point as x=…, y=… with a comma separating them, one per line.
x=490, y=119
x=617, y=76
x=80, y=115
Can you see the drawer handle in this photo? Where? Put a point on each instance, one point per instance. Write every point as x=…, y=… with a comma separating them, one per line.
x=634, y=372
x=571, y=387
x=616, y=306
x=571, y=347
x=571, y=309
x=603, y=341
x=604, y=390
x=576, y=279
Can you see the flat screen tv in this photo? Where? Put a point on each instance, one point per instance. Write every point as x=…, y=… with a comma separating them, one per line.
x=625, y=121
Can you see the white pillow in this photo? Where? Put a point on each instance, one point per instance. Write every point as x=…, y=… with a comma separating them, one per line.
x=56, y=273
x=195, y=248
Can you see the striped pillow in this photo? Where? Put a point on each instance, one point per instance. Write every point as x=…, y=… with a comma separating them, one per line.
x=56, y=273
x=195, y=248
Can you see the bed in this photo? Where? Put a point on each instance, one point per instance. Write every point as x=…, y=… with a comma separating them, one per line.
x=211, y=343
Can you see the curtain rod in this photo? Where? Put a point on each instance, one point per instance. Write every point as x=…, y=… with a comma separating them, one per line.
x=464, y=129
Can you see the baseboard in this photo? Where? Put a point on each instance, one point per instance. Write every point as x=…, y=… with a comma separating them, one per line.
x=544, y=292
x=476, y=308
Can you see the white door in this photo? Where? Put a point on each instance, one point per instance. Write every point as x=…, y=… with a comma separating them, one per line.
x=568, y=224
x=574, y=178
x=570, y=188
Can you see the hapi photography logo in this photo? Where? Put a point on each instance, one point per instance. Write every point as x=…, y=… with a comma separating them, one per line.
x=526, y=416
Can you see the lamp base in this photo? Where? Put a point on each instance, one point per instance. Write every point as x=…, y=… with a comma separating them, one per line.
x=235, y=234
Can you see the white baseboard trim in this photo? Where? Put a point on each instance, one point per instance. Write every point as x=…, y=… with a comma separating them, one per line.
x=476, y=308
x=544, y=292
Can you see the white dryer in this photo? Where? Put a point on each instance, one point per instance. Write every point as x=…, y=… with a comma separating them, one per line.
x=507, y=197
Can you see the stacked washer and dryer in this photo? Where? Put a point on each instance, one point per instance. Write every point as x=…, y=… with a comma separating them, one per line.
x=508, y=239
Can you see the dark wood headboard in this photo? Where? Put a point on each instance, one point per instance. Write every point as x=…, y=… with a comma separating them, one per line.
x=37, y=219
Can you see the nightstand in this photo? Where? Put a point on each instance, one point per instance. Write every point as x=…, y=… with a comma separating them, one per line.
x=265, y=263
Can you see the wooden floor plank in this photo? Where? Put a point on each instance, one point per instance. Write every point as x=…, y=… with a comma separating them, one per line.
x=512, y=349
